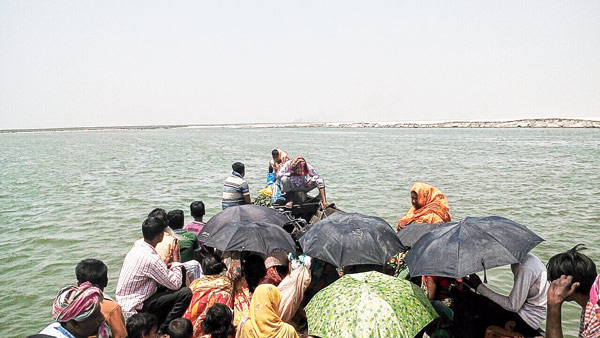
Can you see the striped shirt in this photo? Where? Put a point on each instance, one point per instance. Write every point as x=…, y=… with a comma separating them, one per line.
x=140, y=275
x=589, y=327
x=234, y=189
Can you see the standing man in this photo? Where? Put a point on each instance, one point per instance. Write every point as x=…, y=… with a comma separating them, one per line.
x=279, y=158
x=235, y=188
x=293, y=175
x=143, y=271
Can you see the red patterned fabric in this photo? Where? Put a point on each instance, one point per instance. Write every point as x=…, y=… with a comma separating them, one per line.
x=207, y=291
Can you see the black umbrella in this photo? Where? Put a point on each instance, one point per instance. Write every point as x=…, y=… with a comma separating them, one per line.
x=246, y=212
x=351, y=239
x=258, y=237
x=469, y=246
x=411, y=234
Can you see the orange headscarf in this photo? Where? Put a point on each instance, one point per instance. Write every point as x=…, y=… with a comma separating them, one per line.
x=433, y=207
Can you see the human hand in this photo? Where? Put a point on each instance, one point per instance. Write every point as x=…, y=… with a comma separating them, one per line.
x=309, y=183
x=176, y=253
x=472, y=280
x=561, y=289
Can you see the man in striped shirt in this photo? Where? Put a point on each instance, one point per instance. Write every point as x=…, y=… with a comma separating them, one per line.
x=235, y=188
x=143, y=271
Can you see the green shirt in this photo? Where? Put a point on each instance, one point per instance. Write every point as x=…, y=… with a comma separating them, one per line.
x=188, y=245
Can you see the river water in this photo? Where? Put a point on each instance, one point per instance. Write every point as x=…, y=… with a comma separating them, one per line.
x=67, y=196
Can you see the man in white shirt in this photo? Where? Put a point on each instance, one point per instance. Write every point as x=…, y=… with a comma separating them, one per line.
x=143, y=271
x=525, y=305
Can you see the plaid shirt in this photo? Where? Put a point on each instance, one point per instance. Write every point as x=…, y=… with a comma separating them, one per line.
x=140, y=275
x=589, y=327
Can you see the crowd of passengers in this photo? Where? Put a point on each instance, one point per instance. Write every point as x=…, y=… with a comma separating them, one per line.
x=171, y=285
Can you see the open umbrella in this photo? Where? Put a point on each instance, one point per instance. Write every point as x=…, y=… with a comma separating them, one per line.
x=351, y=239
x=369, y=304
x=469, y=246
x=414, y=231
x=258, y=237
x=246, y=212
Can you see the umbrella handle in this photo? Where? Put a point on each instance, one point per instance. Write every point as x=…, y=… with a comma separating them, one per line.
x=484, y=272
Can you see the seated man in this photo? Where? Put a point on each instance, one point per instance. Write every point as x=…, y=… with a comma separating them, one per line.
x=293, y=179
x=76, y=311
x=188, y=244
x=96, y=272
x=143, y=271
x=235, y=188
x=525, y=305
x=279, y=158
x=574, y=278
x=142, y=325
x=190, y=241
x=197, y=211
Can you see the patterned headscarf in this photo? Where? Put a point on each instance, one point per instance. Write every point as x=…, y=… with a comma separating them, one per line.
x=299, y=166
x=76, y=303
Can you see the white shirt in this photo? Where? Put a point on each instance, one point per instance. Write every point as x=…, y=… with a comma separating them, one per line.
x=56, y=330
x=529, y=292
x=142, y=271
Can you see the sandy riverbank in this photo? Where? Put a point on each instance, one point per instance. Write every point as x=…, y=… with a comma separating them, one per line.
x=525, y=123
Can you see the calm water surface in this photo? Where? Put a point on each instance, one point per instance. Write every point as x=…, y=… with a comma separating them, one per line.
x=66, y=196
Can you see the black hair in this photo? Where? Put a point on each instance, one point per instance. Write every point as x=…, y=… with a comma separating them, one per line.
x=275, y=153
x=254, y=270
x=211, y=265
x=152, y=227
x=175, y=218
x=238, y=167
x=40, y=335
x=282, y=269
x=160, y=213
x=218, y=320
x=180, y=328
x=197, y=209
x=93, y=271
x=573, y=263
x=140, y=324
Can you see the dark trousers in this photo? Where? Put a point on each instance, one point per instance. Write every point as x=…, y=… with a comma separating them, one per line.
x=168, y=305
x=473, y=313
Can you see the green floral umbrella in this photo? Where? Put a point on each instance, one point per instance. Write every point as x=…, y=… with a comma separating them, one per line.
x=369, y=304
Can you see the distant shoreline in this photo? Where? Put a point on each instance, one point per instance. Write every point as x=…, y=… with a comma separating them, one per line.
x=523, y=123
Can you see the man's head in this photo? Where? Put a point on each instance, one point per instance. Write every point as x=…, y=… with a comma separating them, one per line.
x=180, y=328
x=275, y=154
x=93, y=271
x=142, y=325
x=77, y=309
x=160, y=213
x=239, y=168
x=153, y=229
x=573, y=263
x=175, y=218
x=197, y=210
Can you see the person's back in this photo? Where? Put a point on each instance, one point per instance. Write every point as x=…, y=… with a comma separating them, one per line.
x=189, y=243
x=197, y=211
x=235, y=188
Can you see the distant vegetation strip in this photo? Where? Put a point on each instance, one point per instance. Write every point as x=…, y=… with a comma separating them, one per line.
x=525, y=123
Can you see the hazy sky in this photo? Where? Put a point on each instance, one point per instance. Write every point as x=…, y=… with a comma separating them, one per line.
x=100, y=63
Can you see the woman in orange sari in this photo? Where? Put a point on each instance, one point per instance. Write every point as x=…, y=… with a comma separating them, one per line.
x=429, y=205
